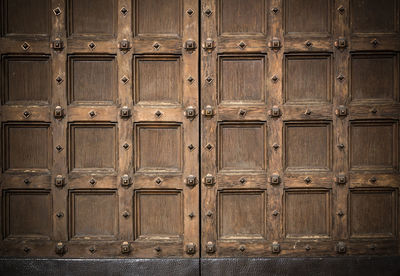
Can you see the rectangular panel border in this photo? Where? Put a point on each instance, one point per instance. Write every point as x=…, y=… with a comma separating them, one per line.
x=4, y=17
x=329, y=218
x=309, y=34
x=308, y=123
x=135, y=87
x=70, y=132
x=366, y=190
x=262, y=57
x=5, y=213
x=396, y=153
x=71, y=216
x=219, y=22
x=135, y=24
x=136, y=212
x=396, y=10
x=263, y=125
x=71, y=58
x=396, y=75
x=70, y=26
x=309, y=56
x=262, y=192
x=137, y=126
x=4, y=77
x=6, y=153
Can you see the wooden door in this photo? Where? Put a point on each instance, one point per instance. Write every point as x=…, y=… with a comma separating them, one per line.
x=99, y=143
x=300, y=135
x=101, y=140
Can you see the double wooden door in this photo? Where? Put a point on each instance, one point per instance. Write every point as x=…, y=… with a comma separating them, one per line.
x=214, y=128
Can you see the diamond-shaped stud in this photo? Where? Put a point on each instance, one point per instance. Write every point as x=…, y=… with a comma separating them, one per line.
x=307, y=180
x=156, y=46
x=124, y=11
x=275, y=10
x=191, y=147
x=242, y=45
x=190, y=79
x=208, y=12
x=158, y=181
x=126, y=146
x=91, y=45
x=341, y=10
x=242, y=180
x=158, y=113
x=125, y=214
x=340, y=77
x=92, y=181
x=209, y=147
x=242, y=112
x=190, y=12
x=274, y=78
x=374, y=42
x=25, y=46
x=59, y=80
x=59, y=148
x=209, y=79
x=275, y=146
x=92, y=113
x=124, y=79
x=26, y=114
x=308, y=44
x=57, y=11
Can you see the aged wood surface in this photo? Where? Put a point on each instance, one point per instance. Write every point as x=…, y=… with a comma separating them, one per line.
x=290, y=108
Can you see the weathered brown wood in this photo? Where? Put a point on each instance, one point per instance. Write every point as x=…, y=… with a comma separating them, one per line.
x=291, y=183
x=91, y=146
x=308, y=145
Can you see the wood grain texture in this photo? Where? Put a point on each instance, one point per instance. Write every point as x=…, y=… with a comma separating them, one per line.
x=242, y=213
x=26, y=18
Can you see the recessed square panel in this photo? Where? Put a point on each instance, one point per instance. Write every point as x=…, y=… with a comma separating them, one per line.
x=158, y=79
x=27, y=79
x=92, y=147
x=241, y=146
x=371, y=16
x=241, y=79
x=374, y=77
x=307, y=78
x=373, y=213
x=27, y=214
x=242, y=16
x=373, y=145
x=27, y=147
x=307, y=213
x=241, y=214
x=86, y=17
x=158, y=214
x=93, y=214
x=307, y=16
x=92, y=79
x=308, y=146
x=25, y=17
x=158, y=147
x=158, y=17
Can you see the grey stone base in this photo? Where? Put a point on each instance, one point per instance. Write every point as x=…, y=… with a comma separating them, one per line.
x=335, y=266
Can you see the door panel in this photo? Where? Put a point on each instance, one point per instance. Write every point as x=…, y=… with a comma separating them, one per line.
x=109, y=172
x=300, y=118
